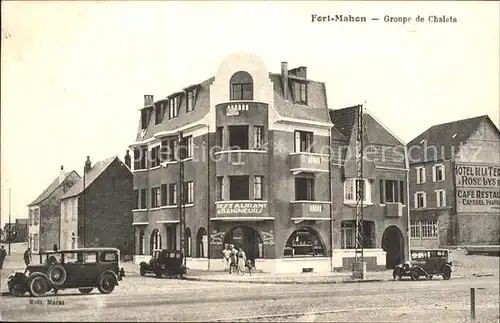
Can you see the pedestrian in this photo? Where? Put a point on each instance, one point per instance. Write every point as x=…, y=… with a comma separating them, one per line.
x=226, y=257
x=3, y=254
x=234, y=259
x=242, y=258
x=27, y=256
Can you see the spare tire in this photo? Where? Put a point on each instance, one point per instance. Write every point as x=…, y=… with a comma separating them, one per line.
x=57, y=275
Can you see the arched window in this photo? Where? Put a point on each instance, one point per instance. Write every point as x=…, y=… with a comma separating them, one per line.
x=155, y=242
x=141, y=242
x=241, y=86
x=202, y=243
x=304, y=242
x=187, y=235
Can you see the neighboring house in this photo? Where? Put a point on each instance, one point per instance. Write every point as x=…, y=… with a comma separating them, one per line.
x=45, y=212
x=255, y=149
x=455, y=180
x=385, y=201
x=101, y=214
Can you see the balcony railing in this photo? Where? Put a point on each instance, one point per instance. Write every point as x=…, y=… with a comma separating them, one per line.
x=308, y=162
x=310, y=211
x=393, y=209
x=253, y=210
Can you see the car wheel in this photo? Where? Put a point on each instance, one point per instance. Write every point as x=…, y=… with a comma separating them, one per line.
x=85, y=290
x=142, y=271
x=107, y=284
x=38, y=286
x=17, y=290
x=396, y=274
x=446, y=273
x=414, y=275
x=57, y=275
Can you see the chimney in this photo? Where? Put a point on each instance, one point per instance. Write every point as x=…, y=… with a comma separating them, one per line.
x=148, y=100
x=284, y=79
x=61, y=175
x=302, y=72
x=88, y=165
x=128, y=160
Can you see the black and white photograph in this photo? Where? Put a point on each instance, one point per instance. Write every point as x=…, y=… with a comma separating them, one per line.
x=250, y=161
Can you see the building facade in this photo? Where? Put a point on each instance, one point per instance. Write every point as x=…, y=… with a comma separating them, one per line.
x=455, y=180
x=45, y=213
x=101, y=214
x=256, y=149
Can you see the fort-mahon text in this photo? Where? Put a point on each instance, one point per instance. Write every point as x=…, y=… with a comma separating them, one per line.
x=386, y=18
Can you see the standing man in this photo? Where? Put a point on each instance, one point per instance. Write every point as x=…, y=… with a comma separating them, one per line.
x=3, y=254
x=27, y=256
x=226, y=256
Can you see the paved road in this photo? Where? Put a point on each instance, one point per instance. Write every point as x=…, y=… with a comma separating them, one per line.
x=151, y=299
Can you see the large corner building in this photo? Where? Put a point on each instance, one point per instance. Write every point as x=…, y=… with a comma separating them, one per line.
x=268, y=167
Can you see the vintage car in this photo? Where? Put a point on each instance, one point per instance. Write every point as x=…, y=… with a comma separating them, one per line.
x=78, y=268
x=425, y=263
x=164, y=262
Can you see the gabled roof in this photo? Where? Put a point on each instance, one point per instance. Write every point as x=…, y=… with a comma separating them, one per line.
x=444, y=140
x=90, y=177
x=344, y=121
x=50, y=189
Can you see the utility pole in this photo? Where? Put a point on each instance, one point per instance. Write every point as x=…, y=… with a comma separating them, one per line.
x=180, y=195
x=9, y=233
x=83, y=209
x=359, y=269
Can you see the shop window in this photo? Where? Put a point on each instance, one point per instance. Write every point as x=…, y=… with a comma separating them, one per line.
x=348, y=234
x=304, y=242
x=241, y=86
x=415, y=229
x=424, y=229
x=239, y=188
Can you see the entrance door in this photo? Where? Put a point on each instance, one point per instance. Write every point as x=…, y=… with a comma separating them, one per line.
x=393, y=245
x=248, y=239
x=171, y=238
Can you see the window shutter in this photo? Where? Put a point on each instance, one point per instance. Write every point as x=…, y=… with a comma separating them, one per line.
x=438, y=198
x=442, y=172
x=297, y=141
x=434, y=173
x=425, y=200
x=417, y=170
x=443, y=202
x=382, y=199
x=415, y=200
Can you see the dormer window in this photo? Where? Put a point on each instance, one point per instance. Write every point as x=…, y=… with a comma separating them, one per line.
x=300, y=92
x=241, y=86
x=144, y=118
x=159, y=112
x=190, y=101
x=173, y=107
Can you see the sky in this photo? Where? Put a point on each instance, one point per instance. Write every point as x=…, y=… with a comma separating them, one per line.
x=74, y=74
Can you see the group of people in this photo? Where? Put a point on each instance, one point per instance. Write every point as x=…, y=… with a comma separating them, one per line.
x=236, y=259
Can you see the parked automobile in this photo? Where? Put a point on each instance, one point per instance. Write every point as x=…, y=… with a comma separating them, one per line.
x=425, y=263
x=84, y=269
x=164, y=262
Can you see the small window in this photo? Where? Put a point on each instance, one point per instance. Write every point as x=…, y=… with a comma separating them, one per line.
x=190, y=101
x=143, y=204
x=420, y=200
x=219, y=137
x=189, y=192
x=300, y=92
x=159, y=113
x=136, y=199
x=420, y=175
x=258, y=137
x=257, y=187
x=172, y=194
x=438, y=173
x=155, y=197
x=220, y=188
x=164, y=195
x=173, y=107
x=304, y=189
x=303, y=141
x=241, y=86
x=155, y=156
x=90, y=258
x=109, y=257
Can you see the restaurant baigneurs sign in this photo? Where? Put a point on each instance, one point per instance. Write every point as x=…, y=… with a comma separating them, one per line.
x=478, y=188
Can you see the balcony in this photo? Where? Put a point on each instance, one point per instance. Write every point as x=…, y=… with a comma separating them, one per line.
x=310, y=211
x=254, y=210
x=393, y=210
x=140, y=217
x=308, y=162
x=241, y=162
x=165, y=214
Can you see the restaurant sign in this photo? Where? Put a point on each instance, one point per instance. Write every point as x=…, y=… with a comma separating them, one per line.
x=245, y=209
x=477, y=188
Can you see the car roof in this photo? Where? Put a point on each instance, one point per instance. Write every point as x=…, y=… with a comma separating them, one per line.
x=80, y=249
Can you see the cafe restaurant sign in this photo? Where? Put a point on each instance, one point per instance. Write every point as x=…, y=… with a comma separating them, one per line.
x=243, y=209
x=478, y=188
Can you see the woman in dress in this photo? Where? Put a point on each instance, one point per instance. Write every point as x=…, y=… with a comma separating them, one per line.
x=242, y=258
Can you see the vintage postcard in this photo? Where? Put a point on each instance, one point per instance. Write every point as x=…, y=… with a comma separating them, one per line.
x=334, y=161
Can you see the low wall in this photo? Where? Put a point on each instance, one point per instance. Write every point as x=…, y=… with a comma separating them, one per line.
x=343, y=259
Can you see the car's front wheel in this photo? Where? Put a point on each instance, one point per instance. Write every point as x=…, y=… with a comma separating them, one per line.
x=85, y=290
x=107, y=284
x=396, y=274
x=38, y=286
x=142, y=270
x=446, y=273
x=414, y=274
